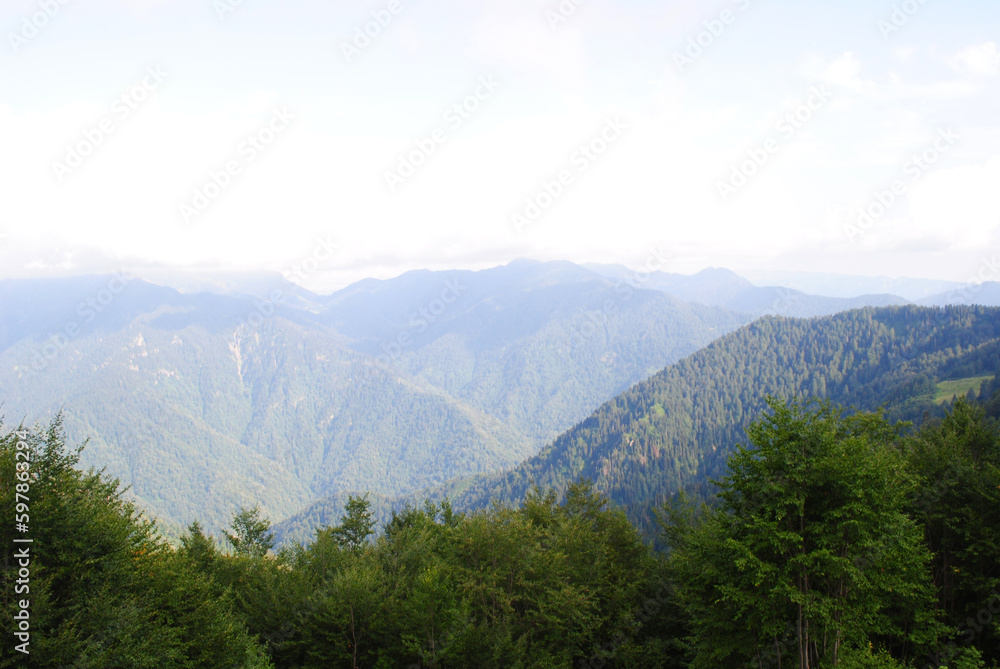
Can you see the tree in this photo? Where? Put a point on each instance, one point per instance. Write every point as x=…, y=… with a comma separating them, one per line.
x=251, y=534
x=810, y=554
x=357, y=525
x=199, y=548
x=106, y=589
x=957, y=502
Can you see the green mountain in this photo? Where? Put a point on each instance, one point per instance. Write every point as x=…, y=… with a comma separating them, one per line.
x=536, y=345
x=674, y=430
x=204, y=401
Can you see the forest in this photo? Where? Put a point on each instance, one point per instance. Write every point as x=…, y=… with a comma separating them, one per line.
x=833, y=538
x=674, y=431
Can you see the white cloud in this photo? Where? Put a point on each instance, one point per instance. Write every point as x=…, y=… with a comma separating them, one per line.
x=981, y=60
x=958, y=206
x=845, y=72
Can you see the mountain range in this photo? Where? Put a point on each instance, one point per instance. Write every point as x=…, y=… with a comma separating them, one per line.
x=207, y=394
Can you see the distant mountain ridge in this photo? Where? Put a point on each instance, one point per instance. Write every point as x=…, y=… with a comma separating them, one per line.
x=724, y=288
x=846, y=285
x=986, y=293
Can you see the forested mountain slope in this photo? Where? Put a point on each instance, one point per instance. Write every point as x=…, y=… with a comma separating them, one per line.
x=202, y=402
x=674, y=430
x=536, y=345
x=677, y=427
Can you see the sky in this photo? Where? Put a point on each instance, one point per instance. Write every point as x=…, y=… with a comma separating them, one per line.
x=387, y=135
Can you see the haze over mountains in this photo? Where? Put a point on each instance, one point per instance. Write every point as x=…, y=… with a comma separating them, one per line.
x=252, y=390
x=842, y=285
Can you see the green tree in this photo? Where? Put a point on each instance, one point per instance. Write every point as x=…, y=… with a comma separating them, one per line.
x=957, y=502
x=810, y=554
x=356, y=525
x=106, y=590
x=250, y=534
x=199, y=548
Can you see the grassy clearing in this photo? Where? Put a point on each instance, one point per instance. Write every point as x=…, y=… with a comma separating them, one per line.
x=948, y=389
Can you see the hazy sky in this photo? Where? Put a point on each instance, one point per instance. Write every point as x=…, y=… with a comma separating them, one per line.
x=116, y=114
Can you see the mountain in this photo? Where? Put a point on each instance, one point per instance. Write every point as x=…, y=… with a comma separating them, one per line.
x=199, y=412
x=723, y=288
x=846, y=285
x=674, y=430
x=536, y=345
x=239, y=389
x=204, y=401
x=986, y=294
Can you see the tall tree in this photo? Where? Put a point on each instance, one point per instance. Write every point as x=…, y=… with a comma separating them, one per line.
x=356, y=525
x=810, y=557
x=250, y=534
x=957, y=465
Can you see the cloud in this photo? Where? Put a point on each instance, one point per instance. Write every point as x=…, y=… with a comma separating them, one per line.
x=528, y=46
x=958, y=205
x=846, y=72
x=981, y=60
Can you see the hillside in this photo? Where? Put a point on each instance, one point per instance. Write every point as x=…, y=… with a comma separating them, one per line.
x=675, y=429
x=210, y=395
x=200, y=402
x=536, y=345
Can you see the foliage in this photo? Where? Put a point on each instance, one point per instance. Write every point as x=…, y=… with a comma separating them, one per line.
x=250, y=535
x=810, y=551
x=105, y=589
x=357, y=524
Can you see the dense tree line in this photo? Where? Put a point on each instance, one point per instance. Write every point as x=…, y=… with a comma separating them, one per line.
x=836, y=539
